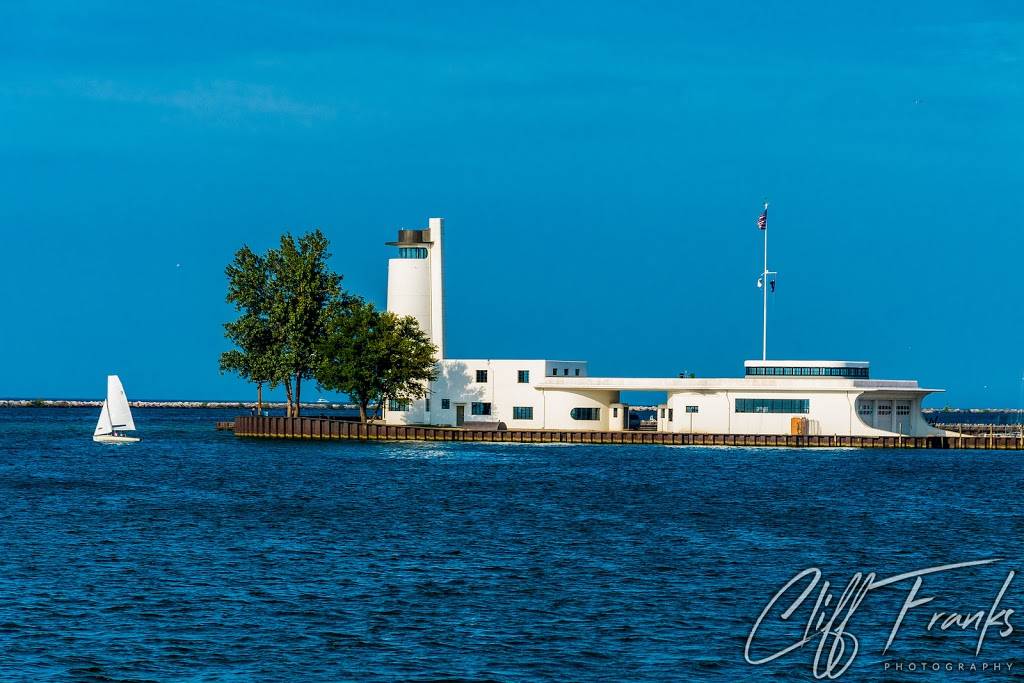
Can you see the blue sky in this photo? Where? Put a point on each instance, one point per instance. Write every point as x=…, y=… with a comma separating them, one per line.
x=600, y=167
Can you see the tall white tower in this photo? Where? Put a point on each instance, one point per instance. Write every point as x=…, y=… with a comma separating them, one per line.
x=416, y=279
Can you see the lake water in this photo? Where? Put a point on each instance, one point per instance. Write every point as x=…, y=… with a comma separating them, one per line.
x=199, y=556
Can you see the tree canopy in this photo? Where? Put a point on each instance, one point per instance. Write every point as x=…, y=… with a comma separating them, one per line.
x=284, y=297
x=375, y=356
x=295, y=322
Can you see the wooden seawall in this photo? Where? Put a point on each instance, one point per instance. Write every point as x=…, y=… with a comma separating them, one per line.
x=317, y=428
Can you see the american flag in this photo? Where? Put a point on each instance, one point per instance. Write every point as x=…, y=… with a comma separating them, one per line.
x=762, y=220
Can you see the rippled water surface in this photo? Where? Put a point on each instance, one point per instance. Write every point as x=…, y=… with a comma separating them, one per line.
x=198, y=556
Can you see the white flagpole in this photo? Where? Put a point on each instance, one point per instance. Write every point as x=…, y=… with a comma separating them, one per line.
x=764, y=292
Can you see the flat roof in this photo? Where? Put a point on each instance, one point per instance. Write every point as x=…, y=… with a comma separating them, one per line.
x=806, y=363
x=508, y=360
x=740, y=384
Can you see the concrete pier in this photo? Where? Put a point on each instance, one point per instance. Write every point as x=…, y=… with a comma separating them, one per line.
x=315, y=428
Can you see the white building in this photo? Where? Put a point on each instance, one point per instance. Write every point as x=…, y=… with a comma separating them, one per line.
x=773, y=396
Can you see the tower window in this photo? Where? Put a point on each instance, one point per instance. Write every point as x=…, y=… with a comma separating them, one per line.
x=412, y=252
x=524, y=376
x=481, y=376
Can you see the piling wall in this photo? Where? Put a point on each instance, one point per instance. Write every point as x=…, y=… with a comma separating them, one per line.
x=316, y=428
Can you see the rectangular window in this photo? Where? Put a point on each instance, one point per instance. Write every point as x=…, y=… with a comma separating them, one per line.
x=670, y=414
x=615, y=412
x=481, y=409
x=662, y=412
x=524, y=376
x=398, y=406
x=446, y=404
x=427, y=405
x=566, y=372
x=692, y=409
x=481, y=376
x=522, y=413
x=577, y=372
x=902, y=408
x=554, y=371
x=773, y=405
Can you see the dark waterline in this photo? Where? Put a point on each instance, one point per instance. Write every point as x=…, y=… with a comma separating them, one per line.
x=195, y=555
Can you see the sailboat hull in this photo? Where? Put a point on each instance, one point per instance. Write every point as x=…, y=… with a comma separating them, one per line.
x=110, y=438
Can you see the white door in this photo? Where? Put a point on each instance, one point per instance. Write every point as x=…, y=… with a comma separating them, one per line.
x=866, y=411
x=902, y=417
x=883, y=416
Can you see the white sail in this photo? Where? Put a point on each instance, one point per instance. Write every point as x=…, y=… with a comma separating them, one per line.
x=104, y=427
x=120, y=413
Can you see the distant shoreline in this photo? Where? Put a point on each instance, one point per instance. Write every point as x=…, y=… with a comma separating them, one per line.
x=75, y=403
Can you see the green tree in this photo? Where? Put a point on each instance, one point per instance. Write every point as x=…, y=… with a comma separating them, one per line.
x=375, y=356
x=254, y=359
x=284, y=298
x=304, y=293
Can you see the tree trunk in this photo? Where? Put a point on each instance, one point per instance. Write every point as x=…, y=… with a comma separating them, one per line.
x=288, y=393
x=298, y=394
x=362, y=410
x=259, y=398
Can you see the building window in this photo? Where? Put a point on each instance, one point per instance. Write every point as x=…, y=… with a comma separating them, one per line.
x=773, y=405
x=398, y=406
x=663, y=413
x=884, y=408
x=856, y=373
x=481, y=376
x=522, y=413
x=427, y=405
x=524, y=376
x=577, y=372
x=481, y=408
x=615, y=412
x=865, y=409
x=446, y=404
x=566, y=372
x=412, y=252
x=585, y=413
x=692, y=409
x=902, y=408
x=554, y=371
x=670, y=414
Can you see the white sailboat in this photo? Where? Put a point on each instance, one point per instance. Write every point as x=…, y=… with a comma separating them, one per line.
x=116, y=416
